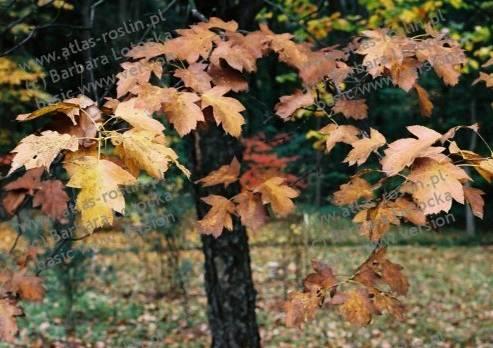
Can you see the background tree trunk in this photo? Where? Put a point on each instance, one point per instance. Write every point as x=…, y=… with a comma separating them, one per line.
x=470, y=220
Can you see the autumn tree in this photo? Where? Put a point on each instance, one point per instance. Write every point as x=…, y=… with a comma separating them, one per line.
x=192, y=84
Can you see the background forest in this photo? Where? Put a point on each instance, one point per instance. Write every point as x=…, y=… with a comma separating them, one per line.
x=141, y=282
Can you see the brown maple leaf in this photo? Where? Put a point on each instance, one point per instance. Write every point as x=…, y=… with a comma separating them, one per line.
x=339, y=134
x=356, y=109
x=434, y=184
x=226, y=174
x=218, y=217
x=226, y=110
x=228, y=77
x=192, y=44
x=357, y=307
x=52, y=199
x=182, y=111
x=353, y=191
x=289, y=104
x=138, y=117
x=405, y=75
x=40, y=151
x=136, y=73
x=377, y=268
x=445, y=56
x=250, y=209
x=237, y=57
x=473, y=197
x=195, y=77
x=382, y=51
x=363, y=148
x=425, y=104
x=376, y=221
x=402, y=153
x=278, y=194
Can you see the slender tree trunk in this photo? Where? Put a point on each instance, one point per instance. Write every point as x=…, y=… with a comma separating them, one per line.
x=228, y=276
x=87, y=54
x=470, y=221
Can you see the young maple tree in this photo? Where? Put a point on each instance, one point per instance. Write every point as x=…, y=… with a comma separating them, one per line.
x=104, y=148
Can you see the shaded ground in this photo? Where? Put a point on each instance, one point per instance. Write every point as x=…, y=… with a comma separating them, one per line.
x=121, y=299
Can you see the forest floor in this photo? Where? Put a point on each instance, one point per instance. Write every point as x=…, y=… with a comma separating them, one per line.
x=122, y=296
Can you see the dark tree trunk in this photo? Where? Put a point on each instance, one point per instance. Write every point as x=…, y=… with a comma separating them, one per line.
x=228, y=276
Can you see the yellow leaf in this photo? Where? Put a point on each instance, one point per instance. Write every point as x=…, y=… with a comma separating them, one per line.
x=100, y=195
x=142, y=149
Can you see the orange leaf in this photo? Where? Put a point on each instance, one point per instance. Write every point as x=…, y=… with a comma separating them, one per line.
x=364, y=147
x=289, y=104
x=351, y=192
x=434, y=184
x=183, y=112
x=339, y=134
x=226, y=175
x=356, y=109
x=278, y=194
x=195, y=77
x=402, y=153
x=250, y=209
x=473, y=197
x=226, y=110
x=425, y=104
x=218, y=217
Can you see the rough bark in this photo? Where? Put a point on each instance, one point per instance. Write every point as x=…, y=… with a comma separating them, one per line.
x=228, y=276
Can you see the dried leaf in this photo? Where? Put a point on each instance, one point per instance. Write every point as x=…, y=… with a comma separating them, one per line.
x=473, y=197
x=136, y=73
x=402, y=153
x=376, y=221
x=226, y=174
x=195, y=77
x=218, y=217
x=250, y=209
x=278, y=194
x=52, y=199
x=144, y=150
x=434, y=184
x=100, y=195
x=137, y=117
x=425, y=104
x=363, y=148
x=40, y=151
x=357, y=308
x=356, y=109
x=227, y=77
x=339, y=134
x=353, y=191
x=289, y=104
x=226, y=110
x=183, y=112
